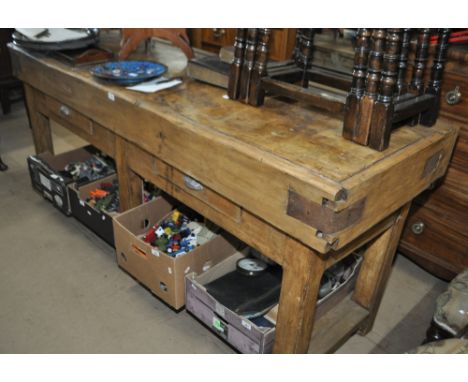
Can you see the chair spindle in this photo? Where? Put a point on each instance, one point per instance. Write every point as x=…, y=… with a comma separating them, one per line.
x=381, y=125
x=403, y=62
x=361, y=134
x=305, y=54
x=420, y=60
x=256, y=92
x=429, y=117
x=236, y=66
x=297, y=46
x=361, y=53
x=249, y=62
x=422, y=53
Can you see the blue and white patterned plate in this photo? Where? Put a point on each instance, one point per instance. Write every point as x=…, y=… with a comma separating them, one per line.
x=128, y=72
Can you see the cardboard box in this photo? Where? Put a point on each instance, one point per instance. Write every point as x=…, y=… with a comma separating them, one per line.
x=45, y=168
x=44, y=171
x=100, y=222
x=238, y=331
x=162, y=274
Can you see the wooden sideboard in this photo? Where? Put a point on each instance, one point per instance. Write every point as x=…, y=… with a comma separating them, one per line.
x=436, y=234
x=212, y=39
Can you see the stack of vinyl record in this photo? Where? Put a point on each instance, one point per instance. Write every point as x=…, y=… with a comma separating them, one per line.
x=53, y=39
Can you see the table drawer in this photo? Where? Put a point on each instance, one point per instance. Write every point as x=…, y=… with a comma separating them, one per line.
x=174, y=182
x=79, y=124
x=427, y=239
x=210, y=197
x=69, y=117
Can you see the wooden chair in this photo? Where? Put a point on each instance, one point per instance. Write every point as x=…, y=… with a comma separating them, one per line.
x=383, y=90
x=249, y=79
x=381, y=95
x=132, y=37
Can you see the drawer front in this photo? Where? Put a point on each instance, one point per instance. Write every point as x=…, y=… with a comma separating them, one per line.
x=452, y=105
x=79, y=124
x=201, y=192
x=281, y=40
x=219, y=36
x=68, y=116
x=176, y=182
x=454, y=189
x=426, y=239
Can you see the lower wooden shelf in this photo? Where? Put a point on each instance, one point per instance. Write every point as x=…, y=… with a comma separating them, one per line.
x=336, y=326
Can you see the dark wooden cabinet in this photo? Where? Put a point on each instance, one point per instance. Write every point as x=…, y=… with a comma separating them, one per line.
x=212, y=39
x=7, y=81
x=436, y=233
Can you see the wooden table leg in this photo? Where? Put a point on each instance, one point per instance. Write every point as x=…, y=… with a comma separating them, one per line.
x=40, y=124
x=376, y=268
x=302, y=272
x=5, y=100
x=130, y=184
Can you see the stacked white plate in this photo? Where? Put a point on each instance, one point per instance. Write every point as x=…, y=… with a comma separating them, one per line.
x=50, y=39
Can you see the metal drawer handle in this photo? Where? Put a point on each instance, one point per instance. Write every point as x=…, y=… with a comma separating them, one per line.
x=219, y=32
x=418, y=228
x=64, y=110
x=453, y=96
x=192, y=183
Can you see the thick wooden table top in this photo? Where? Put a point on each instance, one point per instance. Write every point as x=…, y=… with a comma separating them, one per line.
x=272, y=161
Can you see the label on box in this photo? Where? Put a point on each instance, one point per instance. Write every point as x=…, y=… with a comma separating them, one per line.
x=246, y=325
x=45, y=181
x=219, y=325
x=169, y=269
x=154, y=252
x=111, y=96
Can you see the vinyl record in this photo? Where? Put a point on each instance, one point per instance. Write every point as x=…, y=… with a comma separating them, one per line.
x=250, y=266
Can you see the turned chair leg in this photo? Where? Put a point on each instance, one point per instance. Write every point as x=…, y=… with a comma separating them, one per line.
x=5, y=100
x=3, y=166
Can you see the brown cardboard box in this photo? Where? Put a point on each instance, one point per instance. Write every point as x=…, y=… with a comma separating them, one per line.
x=162, y=274
x=238, y=331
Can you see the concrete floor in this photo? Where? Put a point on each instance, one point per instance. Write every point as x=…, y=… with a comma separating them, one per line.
x=61, y=290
